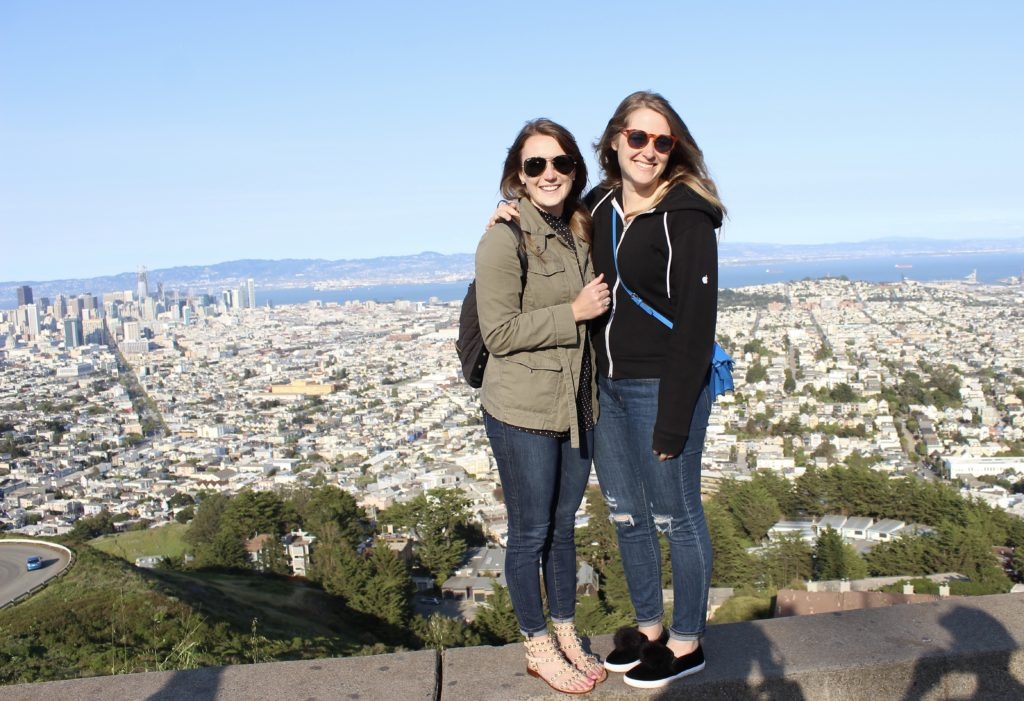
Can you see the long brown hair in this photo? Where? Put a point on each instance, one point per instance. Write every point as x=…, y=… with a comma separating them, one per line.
x=512, y=188
x=685, y=161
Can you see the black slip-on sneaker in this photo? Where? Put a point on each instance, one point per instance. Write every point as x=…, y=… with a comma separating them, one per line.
x=659, y=667
x=626, y=655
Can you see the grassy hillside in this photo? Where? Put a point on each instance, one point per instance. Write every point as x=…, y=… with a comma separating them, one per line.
x=107, y=617
x=167, y=541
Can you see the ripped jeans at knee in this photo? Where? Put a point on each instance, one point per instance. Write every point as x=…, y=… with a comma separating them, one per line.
x=646, y=497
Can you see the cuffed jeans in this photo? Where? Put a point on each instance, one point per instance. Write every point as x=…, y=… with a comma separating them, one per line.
x=543, y=480
x=645, y=495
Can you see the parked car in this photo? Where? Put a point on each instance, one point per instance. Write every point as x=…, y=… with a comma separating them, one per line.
x=34, y=562
x=430, y=600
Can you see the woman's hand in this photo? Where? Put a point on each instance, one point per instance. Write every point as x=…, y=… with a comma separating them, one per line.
x=506, y=211
x=593, y=300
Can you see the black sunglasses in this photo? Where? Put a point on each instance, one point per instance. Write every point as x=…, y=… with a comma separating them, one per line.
x=537, y=165
x=638, y=139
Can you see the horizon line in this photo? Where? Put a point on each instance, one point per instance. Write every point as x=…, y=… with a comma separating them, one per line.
x=992, y=239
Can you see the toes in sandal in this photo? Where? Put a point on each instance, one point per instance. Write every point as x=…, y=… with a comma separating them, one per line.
x=541, y=650
x=572, y=647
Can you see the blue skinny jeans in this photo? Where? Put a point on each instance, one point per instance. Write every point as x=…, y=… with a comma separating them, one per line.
x=543, y=480
x=645, y=496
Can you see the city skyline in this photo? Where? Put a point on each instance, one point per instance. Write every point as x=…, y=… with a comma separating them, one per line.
x=193, y=134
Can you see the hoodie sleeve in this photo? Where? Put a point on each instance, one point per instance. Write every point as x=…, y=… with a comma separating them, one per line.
x=694, y=281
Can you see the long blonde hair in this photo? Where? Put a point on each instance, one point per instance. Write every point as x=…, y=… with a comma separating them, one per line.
x=685, y=161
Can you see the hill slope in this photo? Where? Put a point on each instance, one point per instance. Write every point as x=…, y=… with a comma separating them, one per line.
x=107, y=617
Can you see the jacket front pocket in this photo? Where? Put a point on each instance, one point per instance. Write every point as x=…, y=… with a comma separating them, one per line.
x=532, y=384
x=537, y=360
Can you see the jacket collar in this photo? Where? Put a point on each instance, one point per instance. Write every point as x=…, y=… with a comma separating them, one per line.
x=540, y=235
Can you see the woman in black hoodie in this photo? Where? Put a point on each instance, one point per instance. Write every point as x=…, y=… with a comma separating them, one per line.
x=655, y=215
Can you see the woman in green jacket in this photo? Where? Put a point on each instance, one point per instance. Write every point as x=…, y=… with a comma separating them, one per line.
x=538, y=393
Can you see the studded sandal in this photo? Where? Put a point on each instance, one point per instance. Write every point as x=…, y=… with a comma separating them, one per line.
x=541, y=650
x=569, y=641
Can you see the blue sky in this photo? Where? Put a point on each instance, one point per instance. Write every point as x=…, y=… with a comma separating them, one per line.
x=160, y=134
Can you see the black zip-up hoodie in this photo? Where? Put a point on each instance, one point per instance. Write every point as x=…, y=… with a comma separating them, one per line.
x=668, y=256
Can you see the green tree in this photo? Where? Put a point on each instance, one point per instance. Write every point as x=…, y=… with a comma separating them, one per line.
x=945, y=386
x=180, y=499
x=441, y=632
x=594, y=618
x=1018, y=562
x=273, y=559
x=903, y=556
x=336, y=564
x=91, y=527
x=812, y=495
x=733, y=565
x=441, y=520
x=778, y=486
x=786, y=561
x=495, y=619
x=207, y=519
x=441, y=555
x=222, y=525
x=756, y=373
x=752, y=506
x=388, y=589
x=314, y=508
x=856, y=459
x=854, y=566
x=968, y=550
x=862, y=491
x=226, y=551
x=825, y=450
x=755, y=346
x=250, y=513
x=842, y=392
x=828, y=552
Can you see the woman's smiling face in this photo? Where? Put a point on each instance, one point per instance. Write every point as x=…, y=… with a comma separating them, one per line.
x=642, y=168
x=549, y=190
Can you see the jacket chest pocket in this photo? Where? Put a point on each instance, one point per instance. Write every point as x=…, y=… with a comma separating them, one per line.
x=547, y=283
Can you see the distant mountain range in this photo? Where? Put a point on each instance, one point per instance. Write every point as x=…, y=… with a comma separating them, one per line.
x=436, y=267
x=748, y=253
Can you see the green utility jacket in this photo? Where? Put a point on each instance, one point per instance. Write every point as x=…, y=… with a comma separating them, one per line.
x=536, y=346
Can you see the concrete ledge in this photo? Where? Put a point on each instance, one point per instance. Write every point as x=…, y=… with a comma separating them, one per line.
x=396, y=677
x=953, y=649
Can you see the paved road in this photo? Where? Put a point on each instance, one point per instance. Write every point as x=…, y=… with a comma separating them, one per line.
x=14, y=579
